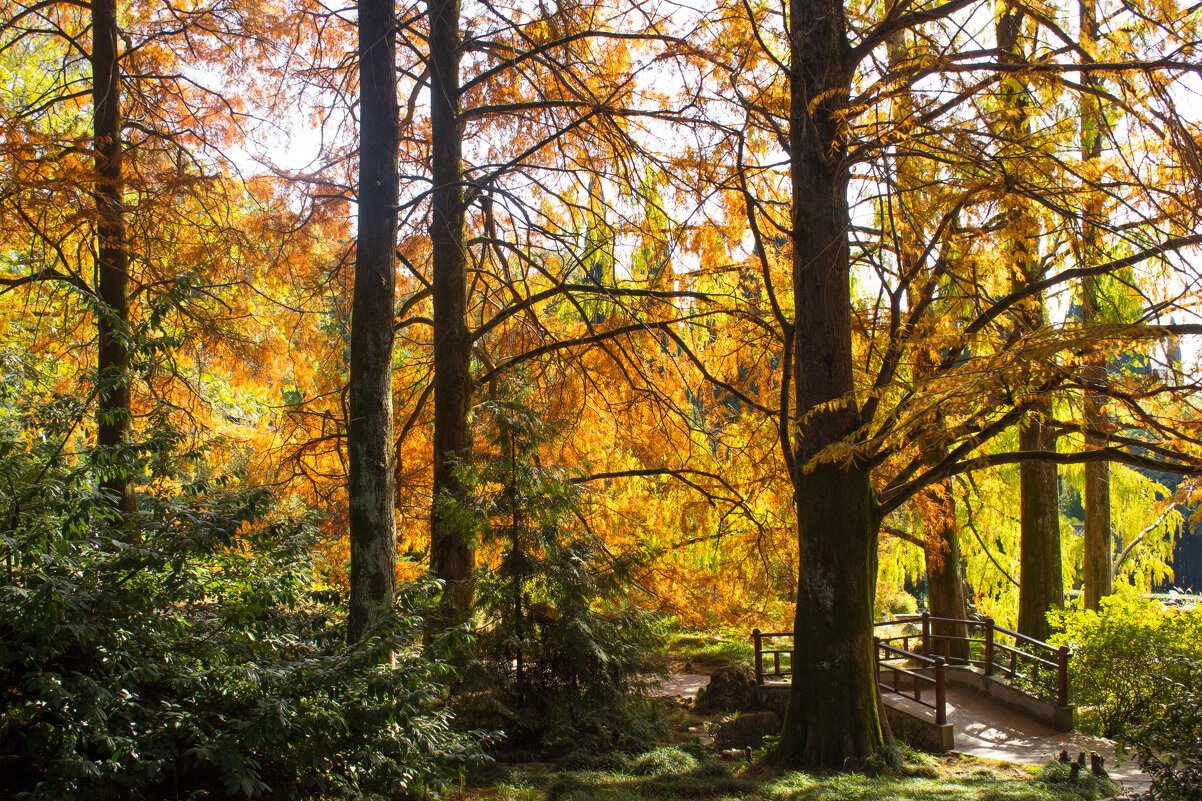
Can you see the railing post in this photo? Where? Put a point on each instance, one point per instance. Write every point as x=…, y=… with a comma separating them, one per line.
x=988, y=646
x=756, y=634
x=926, y=633
x=1062, y=690
x=940, y=690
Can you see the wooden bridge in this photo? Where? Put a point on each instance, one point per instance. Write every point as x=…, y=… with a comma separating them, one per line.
x=920, y=658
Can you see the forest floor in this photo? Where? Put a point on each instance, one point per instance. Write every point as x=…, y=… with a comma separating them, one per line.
x=673, y=773
x=686, y=769
x=983, y=729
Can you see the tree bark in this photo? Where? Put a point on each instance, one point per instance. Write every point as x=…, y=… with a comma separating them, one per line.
x=1040, y=579
x=945, y=587
x=1096, y=501
x=832, y=715
x=369, y=430
x=451, y=553
x=113, y=413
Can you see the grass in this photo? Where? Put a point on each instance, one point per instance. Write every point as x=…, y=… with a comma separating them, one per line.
x=705, y=652
x=682, y=774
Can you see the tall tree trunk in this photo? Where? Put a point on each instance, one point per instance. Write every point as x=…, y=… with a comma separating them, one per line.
x=369, y=430
x=1040, y=578
x=832, y=714
x=1041, y=585
x=451, y=553
x=113, y=413
x=944, y=585
x=941, y=534
x=1097, y=558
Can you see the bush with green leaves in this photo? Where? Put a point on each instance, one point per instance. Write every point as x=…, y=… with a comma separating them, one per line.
x=1169, y=743
x=563, y=654
x=1118, y=655
x=190, y=655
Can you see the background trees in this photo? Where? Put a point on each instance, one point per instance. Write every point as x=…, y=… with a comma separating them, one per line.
x=783, y=281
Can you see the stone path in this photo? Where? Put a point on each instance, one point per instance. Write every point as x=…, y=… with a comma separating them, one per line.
x=990, y=731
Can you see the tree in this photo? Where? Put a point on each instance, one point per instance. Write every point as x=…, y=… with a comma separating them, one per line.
x=113, y=412
x=1041, y=586
x=936, y=505
x=858, y=438
x=451, y=554
x=1097, y=580
x=369, y=428
x=132, y=234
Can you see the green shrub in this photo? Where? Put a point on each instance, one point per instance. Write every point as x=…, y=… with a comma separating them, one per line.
x=1118, y=653
x=562, y=654
x=1169, y=744
x=189, y=657
x=667, y=759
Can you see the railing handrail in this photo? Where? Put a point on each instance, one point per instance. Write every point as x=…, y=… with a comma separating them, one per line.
x=991, y=647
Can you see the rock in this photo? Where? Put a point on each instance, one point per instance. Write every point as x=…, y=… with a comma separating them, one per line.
x=745, y=731
x=730, y=689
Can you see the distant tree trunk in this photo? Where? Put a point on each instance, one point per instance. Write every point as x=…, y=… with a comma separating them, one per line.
x=832, y=714
x=1041, y=586
x=940, y=532
x=1097, y=557
x=451, y=553
x=944, y=585
x=113, y=413
x=369, y=430
x=1040, y=578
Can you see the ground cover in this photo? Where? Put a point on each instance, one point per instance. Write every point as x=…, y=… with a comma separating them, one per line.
x=680, y=774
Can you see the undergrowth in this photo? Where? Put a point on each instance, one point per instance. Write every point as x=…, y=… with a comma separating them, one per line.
x=672, y=773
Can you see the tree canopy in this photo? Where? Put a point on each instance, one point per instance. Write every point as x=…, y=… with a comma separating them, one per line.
x=809, y=300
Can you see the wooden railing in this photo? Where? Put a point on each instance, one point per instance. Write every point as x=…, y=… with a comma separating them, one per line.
x=774, y=654
x=1033, y=665
x=887, y=655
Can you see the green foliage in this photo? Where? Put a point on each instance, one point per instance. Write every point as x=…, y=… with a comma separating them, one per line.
x=890, y=602
x=1120, y=653
x=729, y=647
x=667, y=759
x=563, y=653
x=1169, y=743
x=191, y=655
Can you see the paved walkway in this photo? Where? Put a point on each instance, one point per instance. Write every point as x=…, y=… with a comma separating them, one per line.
x=990, y=731
x=684, y=685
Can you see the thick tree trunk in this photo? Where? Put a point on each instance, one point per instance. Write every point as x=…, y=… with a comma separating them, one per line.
x=113, y=413
x=1097, y=557
x=1042, y=584
x=451, y=553
x=832, y=715
x=832, y=719
x=369, y=430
